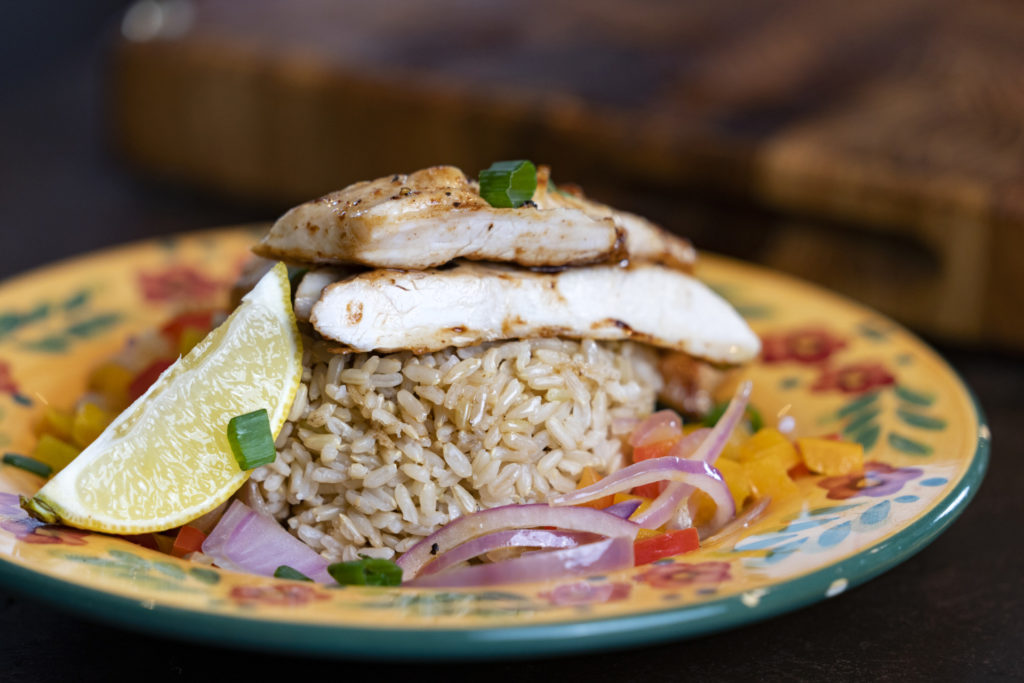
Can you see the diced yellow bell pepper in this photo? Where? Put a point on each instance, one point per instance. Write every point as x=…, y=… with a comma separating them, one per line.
x=623, y=497
x=737, y=480
x=830, y=457
x=112, y=380
x=54, y=452
x=769, y=479
x=703, y=509
x=587, y=477
x=739, y=436
x=90, y=421
x=56, y=422
x=644, y=534
x=770, y=443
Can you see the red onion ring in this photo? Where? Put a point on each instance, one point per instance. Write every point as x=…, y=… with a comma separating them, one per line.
x=608, y=555
x=513, y=538
x=667, y=421
x=711, y=446
x=740, y=523
x=245, y=541
x=623, y=509
x=470, y=526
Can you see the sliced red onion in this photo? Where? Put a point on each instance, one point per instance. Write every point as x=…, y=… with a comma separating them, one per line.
x=710, y=447
x=661, y=508
x=608, y=555
x=688, y=445
x=695, y=472
x=623, y=509
x=514, y=538
x=748, y=517
x=245, y=541
x=719, y=435
x=471, y=526
x=665, y=422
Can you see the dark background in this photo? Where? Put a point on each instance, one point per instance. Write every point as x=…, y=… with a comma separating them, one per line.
x=952, y=612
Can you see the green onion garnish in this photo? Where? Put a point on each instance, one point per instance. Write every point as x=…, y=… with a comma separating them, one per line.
x=251, y=440
x=286, y=572
x=752, y=415
x=366, y=572
x=508, y=184
x=28, y=464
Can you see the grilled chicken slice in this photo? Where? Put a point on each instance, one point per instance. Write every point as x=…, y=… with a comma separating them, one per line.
x=433, y=216
x=645, y=241
x=387, y=310
x=311, y=286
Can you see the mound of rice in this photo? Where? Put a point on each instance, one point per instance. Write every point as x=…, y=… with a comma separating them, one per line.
x=381, y=450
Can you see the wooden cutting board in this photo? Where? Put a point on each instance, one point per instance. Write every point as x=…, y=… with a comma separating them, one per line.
x=877, y=148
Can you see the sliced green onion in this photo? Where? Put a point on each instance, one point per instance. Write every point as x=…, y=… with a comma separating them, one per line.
x=251, y=440
x=366, y=572
x=752, y=415
x=28, y=464
x=508, y=184
x=286, y=572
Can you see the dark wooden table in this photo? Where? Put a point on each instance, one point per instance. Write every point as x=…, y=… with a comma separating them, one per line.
x=955, y=611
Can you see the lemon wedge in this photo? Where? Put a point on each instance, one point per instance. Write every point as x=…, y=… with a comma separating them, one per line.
x=166, y=459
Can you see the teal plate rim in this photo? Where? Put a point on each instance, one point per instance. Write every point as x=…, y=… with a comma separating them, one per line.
x=561, y=638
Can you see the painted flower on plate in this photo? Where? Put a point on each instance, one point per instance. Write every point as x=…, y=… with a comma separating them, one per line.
x=178, y=283
x=677, y=575
x=805, y=345
x=586, y=593
x=7, y=383
x=854, y=378
x=283, y=594
x=877, y=480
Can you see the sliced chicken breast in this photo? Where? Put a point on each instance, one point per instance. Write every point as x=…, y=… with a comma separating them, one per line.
x=645, y=241
x=433, y=216
x=388, y=310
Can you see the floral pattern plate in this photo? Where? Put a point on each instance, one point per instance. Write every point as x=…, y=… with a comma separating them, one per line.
x=829, y=366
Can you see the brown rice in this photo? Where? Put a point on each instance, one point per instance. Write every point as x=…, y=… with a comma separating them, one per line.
x=381, y=450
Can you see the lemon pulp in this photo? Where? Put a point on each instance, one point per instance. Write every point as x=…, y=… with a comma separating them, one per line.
x=166, y=459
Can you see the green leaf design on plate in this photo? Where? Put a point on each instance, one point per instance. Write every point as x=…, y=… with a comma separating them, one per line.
x=860, y=421
x=56, y=343
x=94, y=325
x=130, y=559
x=207, y=576
x=857, y=404
x=871, y=332
x=12, y=321
x=908, y=446
x=915, y=397
x=868, y=437
x=170, y=569
x=76, y=300
x=923, y=421
x=102, y=562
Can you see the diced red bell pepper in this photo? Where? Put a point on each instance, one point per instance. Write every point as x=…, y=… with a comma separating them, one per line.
x=145, y=379
x=188, y=540
x=654, y=449
x=665, y=545
x=176, y=326
x=797, y=471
